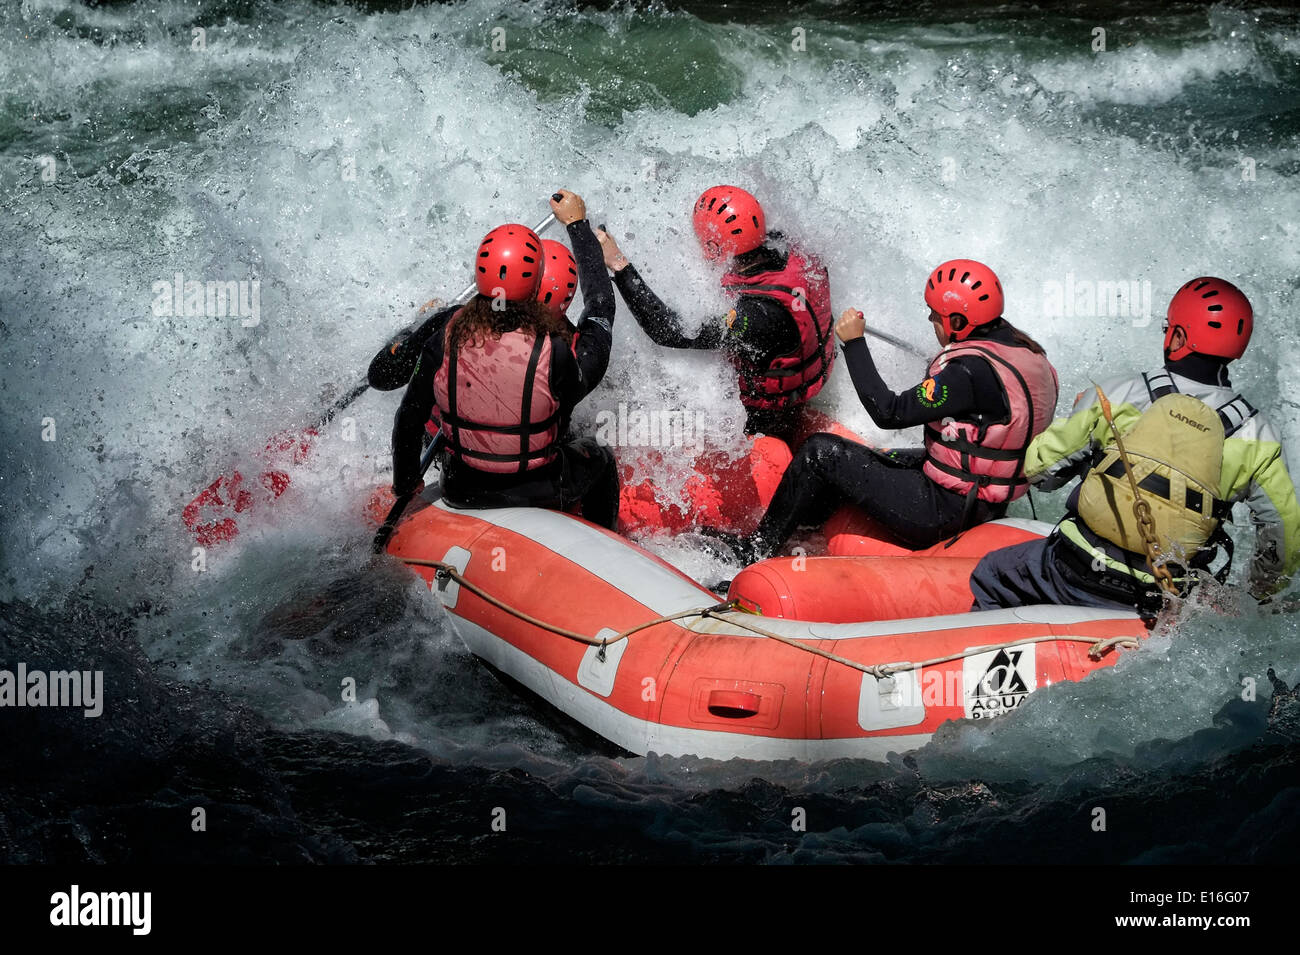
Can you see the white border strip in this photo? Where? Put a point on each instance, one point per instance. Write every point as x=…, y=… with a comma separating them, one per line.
x=1039, y=614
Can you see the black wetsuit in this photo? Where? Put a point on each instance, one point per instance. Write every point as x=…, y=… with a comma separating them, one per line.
x=584, y=471
x=760, y=331
x=829, y=471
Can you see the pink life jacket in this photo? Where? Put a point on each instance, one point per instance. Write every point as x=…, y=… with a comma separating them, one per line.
x=990, y=456
x=803, y=288
x=495, y=402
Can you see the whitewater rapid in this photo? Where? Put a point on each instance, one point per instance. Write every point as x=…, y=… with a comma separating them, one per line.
x=348, y=165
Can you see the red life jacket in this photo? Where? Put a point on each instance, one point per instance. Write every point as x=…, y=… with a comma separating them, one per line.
x=495, y=402
x=803, y=288
x=990, y=456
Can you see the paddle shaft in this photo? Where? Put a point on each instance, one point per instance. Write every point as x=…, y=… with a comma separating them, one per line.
x=390, y=522
x=897, y=343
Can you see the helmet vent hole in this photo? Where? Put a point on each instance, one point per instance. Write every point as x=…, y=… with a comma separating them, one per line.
x=1214, y=308
x=984, y=297
x=503, y=272
x=1215, y=324
x=730, y=219
x=1241, y=324
x=964, y=277
x=951, y=273
x=976, y=286
x=1211, y=293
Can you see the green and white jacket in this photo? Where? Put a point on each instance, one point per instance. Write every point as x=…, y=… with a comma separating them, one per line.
x=1254, y=463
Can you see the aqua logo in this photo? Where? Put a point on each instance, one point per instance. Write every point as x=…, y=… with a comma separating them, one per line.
x=999, y=681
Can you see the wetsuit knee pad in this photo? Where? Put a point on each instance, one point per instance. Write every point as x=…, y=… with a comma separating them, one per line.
x=821, y=448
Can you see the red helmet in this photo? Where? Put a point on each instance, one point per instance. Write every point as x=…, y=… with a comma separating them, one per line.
x=729, y=221
x=1214, y=315
x=967, y=294
x=559, y=277
x=509, y=263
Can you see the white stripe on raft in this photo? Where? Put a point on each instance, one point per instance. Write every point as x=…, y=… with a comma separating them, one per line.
x=1039, y=528
x=618, y=562
x=1039, y=613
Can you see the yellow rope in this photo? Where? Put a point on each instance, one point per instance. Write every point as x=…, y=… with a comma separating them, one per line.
x=1098, y=645
x=1141, y=509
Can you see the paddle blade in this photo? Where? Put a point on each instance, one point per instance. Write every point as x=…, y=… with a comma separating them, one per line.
x=289, y=447
x=212, y=516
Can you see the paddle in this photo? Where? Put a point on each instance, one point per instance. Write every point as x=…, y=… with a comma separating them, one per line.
x=897, y=343
x=210, y=517
x=395, y=512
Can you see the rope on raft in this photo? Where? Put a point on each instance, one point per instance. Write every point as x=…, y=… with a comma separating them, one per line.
x=447, y=571
x=881, y=671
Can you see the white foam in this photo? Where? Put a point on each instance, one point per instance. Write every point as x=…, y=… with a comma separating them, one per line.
x=849, y=157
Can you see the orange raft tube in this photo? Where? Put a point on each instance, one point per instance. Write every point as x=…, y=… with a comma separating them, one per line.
x=850, y=656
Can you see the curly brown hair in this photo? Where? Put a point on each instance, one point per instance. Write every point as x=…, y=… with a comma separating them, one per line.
x=482, y=318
